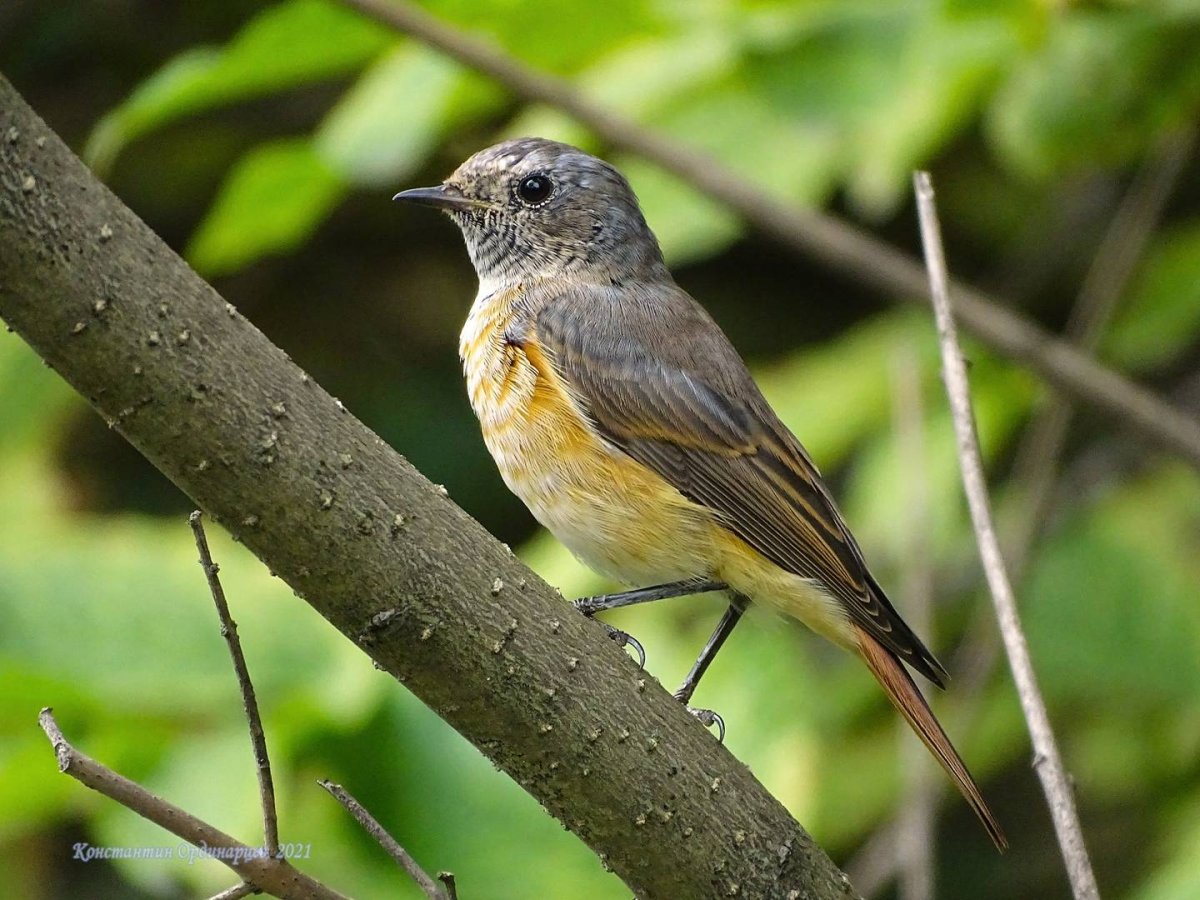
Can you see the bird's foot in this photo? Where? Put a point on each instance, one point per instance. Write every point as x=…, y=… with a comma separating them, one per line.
x=708, y=719
x=625, y=639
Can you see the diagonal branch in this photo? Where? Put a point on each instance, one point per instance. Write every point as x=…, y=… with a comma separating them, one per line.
x=258, y=738
x=1038, y=456
x=374, y=547
x=1125, y=240
x=917, y=847
x=251, y=863
x=1047, y=761
x=403, y=858
x=237, y=892
x=837, y=244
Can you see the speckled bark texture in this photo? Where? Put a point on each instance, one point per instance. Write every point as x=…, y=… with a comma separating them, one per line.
x=374, y=547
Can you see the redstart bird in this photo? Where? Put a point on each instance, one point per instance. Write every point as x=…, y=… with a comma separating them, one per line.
x=623, y=417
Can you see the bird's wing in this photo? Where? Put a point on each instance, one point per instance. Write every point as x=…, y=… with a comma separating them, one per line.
x=661, y=382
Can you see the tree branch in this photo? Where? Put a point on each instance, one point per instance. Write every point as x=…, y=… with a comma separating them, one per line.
x=837, y=244
x=374, y=547
x=1038, y=456
x=251, y=863
x=916, y=849
x=402, y=857
x=237, y=892
x=258, y=738
x=1047, y=761
x=1137, y=217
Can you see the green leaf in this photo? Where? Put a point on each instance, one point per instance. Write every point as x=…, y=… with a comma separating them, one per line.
x=389, y=122
x=642, y=76
x=1127, y=75
x=563, y=37
x=1162, y=316
x=30, y=413
x=1121, y=579
x=288, y=45
x=834, y=394
x=948, y=65
x=271, y=202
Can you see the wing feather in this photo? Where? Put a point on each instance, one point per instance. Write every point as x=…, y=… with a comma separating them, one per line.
x=662, y=383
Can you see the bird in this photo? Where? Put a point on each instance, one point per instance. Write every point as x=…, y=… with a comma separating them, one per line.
x=622, y=416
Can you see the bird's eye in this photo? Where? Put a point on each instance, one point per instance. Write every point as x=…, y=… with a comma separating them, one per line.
x=535, y=189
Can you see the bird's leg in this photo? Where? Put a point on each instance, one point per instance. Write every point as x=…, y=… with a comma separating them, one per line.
x=589, y=606
x=724, y=628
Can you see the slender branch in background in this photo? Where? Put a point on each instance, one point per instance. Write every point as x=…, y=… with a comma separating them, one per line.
x=1047, y=761
x=402, y=857
x=1124, y=242
x=843, y=247
x=275, y=876
x=1039, y=453
x=876, y=862
x=258, y=739
x=915, y=851
x=237, y=892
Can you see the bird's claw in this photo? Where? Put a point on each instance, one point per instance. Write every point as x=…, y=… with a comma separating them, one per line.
x=625, y=639
x=708, y=718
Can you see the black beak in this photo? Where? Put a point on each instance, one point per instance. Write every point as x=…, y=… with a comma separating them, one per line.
x=444, y=196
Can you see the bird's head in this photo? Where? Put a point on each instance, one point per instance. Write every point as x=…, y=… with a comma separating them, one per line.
x=535, y=208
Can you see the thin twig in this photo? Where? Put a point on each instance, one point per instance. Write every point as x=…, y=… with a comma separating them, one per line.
x=916, y=849
x=1039, y=453
x=258, y=738
x=1047, y=761
x=877, y=860
x=252, y=864
x=1124, y=242
x=371, y=825
x=447, y=879
x=237, y=892
x=838, y=244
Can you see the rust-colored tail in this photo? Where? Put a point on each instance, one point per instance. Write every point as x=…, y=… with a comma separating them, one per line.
x=903, y=693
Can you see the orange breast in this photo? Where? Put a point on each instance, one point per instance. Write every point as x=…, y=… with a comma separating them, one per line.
x=611, y=511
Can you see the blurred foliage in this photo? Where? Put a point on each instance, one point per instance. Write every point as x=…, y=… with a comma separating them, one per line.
x=264, y=140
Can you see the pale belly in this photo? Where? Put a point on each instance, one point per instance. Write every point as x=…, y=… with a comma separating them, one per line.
x=610, y=512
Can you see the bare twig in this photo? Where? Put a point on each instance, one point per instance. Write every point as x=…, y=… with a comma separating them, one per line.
x=1124, y=242
x=877, y=860
x=916, y=847
x=371, y=825
x=447, y=879
x=1039, y=453
x=258, y=739
x=237, y=892
x=1047, y=761
x=252, y=864
x=837, y=244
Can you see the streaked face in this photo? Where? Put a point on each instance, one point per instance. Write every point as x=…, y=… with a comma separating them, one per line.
x=531, y=207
